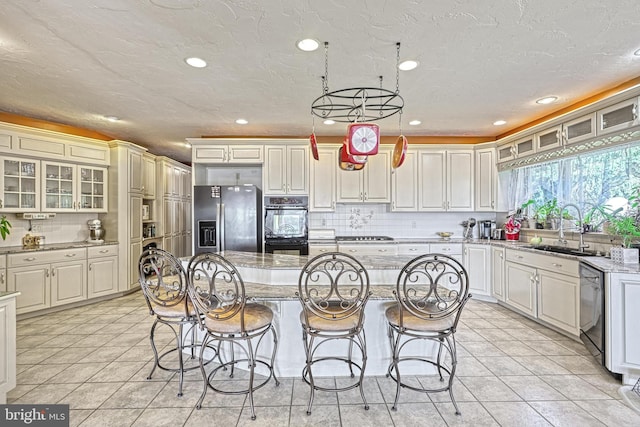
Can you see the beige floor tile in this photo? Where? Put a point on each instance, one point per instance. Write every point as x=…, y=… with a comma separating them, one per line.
x=38, y=374
x=468, y=335
x=578, y=364
x=356, y=415
x=471, y=367
x=574, y=387
x=272, y=395
x=610, y=412
x=550, y=348
x=515, y=348
x=68, y=355
x=503, y=366
x=515, y=414
x=321, y=415
x=90, y=395
x=541, y=365
x=222, y=416
x=494, y=334
x=416, y=415
x=460, y=392
x=604, y=382
x=472, y=414
x=388, y=389
x=565, y=414
x=103, y=354
x=133, y=395
x=77, y=373
x=116, y=372
x=352, y=397
x=47, y=393
x=158, y=417
x=489, y=389
x=531, y=388
x=527, y=334
x=482, y=348
x=77, y=416
x=111, y=418
x=301, y=392
x=266, y=416
x=168, y=396
x=35, y=355
x=19, y=391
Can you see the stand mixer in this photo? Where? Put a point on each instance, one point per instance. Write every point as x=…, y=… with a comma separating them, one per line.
x=96, y=232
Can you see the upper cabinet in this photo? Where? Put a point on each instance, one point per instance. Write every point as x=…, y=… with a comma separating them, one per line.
x=148, y=176
x=231, y=153
x=322, y=177
x=549, y=139
x=135, y=171
x=486, y=179
x=579, y=129
x=286, y=169
x=372, y=184
x=618, y=116
x=446, y=179
x=404, y=184
x=73, y=188
x=19, y=185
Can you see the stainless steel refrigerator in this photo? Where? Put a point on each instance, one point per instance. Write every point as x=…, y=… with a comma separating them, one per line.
x=227, y=218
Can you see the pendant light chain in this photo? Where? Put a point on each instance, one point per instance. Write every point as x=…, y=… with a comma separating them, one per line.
x=398, y=67
x=325, y=78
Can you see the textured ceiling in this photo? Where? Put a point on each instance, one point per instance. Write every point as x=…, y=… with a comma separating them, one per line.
x=75, y=61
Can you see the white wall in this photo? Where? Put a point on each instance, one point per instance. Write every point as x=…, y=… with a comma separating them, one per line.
x=61, y=229
x=376, y=219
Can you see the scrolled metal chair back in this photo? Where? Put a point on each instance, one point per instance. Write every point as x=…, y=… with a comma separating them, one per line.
x=432, y=286
x=215, y=287
x=333, y=286
x=162, y=279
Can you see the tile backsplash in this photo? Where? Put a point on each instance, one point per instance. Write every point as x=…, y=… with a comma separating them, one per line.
x=377, y=219
x=61, y=229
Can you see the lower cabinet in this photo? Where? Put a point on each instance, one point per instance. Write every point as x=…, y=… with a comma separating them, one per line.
x=7, y=346
x=558, y=301
x=477, y=263
x=520, y=291
x=68, y=282
x=368, y=249
x=321, y=248
x=135, y=250
x=102, y=271
x=497, y=273
x=415, y=249
x=622, y=320
x=3, y=273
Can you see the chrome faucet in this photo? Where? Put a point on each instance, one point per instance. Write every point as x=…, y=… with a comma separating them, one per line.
x=561, y=238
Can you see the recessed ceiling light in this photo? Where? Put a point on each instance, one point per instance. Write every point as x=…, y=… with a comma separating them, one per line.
x=415, y=122
x=547, y=100
x=196, y=62
x=242, y=121
x=111, y=118
x=499, y=122
x=408, y=65
x=307, y=45
x=637, y=52
x=329, y=122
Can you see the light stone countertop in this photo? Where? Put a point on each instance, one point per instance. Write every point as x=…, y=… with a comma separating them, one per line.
x=8, y=295
x=52, y=247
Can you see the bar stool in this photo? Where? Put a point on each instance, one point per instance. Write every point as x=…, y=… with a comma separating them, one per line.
x=164, y=285
x=431, y=292
x=218, y=295
x=333, y=289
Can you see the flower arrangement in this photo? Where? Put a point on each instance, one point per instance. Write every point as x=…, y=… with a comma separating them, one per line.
x=512, y=225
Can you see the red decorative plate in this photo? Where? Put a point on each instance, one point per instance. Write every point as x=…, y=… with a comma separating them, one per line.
x=399, y=151
x=314, y=146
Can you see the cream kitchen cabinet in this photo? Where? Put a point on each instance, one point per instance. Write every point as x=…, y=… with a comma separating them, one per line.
x=286, y=170
x=356, y=249
x=404, y=184
x=19, y=185
x=486, y=180
x=321, y=248
x=622, y=320
x=446, y=180
x=47, y=279
x=3, y=273
x=7, y=346
x=73, y=188
x=477, y=262
x=497, y=272
x=322, y=180
x=136, y=173
x=559, y=299
x=549, y=139
x=148, y=176
x=520, y=289
x=372, y=184
x=579, y=129
x=618, y=117
x=413, y=249
x=223, y=153
x=453, y=250
x=102, y=270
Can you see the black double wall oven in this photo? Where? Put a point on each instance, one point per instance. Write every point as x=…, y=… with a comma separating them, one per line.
x=285, y=225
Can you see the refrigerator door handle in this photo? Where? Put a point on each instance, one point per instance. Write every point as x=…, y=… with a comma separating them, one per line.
x=221, y=226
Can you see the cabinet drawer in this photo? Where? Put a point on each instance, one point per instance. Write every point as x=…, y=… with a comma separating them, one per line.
x=45, y=257
x=414, y=249
x=317, y=249
x=368, y=249
x=545, y=262
x=446, y=248
x=100, y=251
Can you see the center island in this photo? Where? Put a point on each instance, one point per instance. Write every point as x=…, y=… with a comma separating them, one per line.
x=272, y=280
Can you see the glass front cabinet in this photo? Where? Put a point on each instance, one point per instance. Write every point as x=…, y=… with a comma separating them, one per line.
x=19, y=180
x=73, y=188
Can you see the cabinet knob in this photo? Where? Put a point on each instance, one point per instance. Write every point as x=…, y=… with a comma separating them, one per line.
x=90, y=267
x=2, y=277
x=353, y=250
x=556, y=265
x=382, y=250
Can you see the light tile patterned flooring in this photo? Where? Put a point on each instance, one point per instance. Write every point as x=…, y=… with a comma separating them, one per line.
x=512, y=372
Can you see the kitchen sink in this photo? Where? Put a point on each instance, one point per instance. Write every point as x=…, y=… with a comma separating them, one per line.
x=563, y=250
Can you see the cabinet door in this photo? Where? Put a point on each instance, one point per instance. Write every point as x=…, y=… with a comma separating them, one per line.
x=549, y=139
x=149, y=178
x=622, y=311
x=432, y=180
x=506, y=152
x=68, y=282
x=404, y=184
x=245, y=154
x=274, y=170
x=176, y=186
x=168, y=220
x=135, y=218
x=497, y=273
x=102, y=276
x=377, y=178
x=20, y=185
x=135, y=171
x=211, y=154
x=186, y=184
x=486, y=180
x=460, y=179
x=413, y=249
x=476, y=261
x=297, y=170
x=167, y=179
x=350, y=186
x=318, y=249
x=93, y=189
x=525, y=146
x=520, y=287
x=618, y=117
x=3, y=279
x=59, y=187
x=558, y=299
x=322, y=197
x=33, y=284
x=579, y=129
x=135, y=250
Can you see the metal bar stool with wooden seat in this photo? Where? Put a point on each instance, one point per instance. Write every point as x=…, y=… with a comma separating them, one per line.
x=333, y=289
x=164, y=285
x=431, y=292
x=218, y=295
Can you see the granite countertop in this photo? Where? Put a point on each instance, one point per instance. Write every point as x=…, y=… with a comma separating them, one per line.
x=52, y=247
x=266, y=292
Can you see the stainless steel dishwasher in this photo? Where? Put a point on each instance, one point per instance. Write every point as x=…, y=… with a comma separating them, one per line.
x=592, y=311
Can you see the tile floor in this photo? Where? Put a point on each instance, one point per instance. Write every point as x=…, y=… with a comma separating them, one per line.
x=512, y=372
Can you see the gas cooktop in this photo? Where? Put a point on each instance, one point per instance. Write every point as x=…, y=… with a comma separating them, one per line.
x=362, y=238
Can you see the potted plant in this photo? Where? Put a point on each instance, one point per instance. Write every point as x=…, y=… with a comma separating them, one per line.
x=5, y=227
x=626, y=226
x=547, y=214
x=523, y=213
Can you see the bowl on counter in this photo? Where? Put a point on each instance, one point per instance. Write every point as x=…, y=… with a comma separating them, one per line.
x=445, y=235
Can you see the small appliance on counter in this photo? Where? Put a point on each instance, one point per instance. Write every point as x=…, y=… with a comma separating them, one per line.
x=32, y=242
x=96, y=232
x=498, y=234
x=467, y=232
x=486, y=229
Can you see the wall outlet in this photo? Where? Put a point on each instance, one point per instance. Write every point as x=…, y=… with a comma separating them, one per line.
x=36, y=228
x=413, y=224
